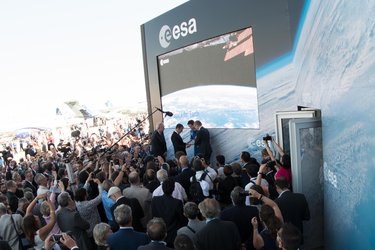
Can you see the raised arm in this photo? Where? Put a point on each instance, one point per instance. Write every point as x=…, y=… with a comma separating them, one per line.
x=257, y=239
x=269, y=151
x=278, y=148
x=260, y=173
x=44, y=231
x=269, y=202
x=30, y=207
x=120, y=175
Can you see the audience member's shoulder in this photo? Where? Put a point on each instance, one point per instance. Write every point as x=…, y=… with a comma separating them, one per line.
x=228, y=223
x=17, y=216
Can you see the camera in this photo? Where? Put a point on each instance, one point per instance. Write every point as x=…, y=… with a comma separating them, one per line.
x=267, y=138
x=244, y=194
x=271, y=164
x=56, y=237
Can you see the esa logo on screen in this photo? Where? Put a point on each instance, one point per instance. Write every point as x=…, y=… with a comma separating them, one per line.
x=166, y=34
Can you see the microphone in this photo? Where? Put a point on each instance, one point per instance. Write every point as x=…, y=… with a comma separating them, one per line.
x=167, y=113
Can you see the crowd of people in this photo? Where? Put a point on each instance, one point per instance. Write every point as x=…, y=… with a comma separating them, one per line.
x=121, y=192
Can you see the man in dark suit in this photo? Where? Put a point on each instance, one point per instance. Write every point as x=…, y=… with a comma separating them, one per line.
x=178, y=143
x=202, y=141
x=157, y=231
x=29, y=181
x=217, y=234
x=137, y=212
x=158, y=144
x=68, y=219
x=247, y=161
x=186, y=173
x=241, y=215
x=170, y=210
x=11, y=194
x=293, y=206
x=126, y=238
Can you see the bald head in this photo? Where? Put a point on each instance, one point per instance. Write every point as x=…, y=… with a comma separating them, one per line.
x=134, y=178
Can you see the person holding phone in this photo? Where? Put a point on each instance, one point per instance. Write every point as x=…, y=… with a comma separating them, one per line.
x=34, y=232
x=63, y=239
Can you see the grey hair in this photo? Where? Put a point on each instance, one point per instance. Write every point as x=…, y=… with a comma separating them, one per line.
x=38, y=177
x=29, y=196
x=22, y=201
x=99, y=233
x=159, y=125
x=3, y=208
x=123, y=215
x=210, y=208
x=63, y=199
x=191, y=210
x=44, y=208
x=156, y=229
x=162, y=175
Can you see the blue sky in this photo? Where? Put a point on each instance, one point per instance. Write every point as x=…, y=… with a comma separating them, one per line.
x=53, y=51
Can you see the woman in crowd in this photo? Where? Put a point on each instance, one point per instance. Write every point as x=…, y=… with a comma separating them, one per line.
x=88, y=208
x=283, y=167
x=101, y=232
x=34, y=232
x=272, y=219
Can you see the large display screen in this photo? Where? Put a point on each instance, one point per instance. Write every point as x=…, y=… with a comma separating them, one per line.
x=213, y=81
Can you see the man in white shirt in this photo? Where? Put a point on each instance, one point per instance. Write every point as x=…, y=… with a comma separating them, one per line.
x=178, y=192
x=201, y=168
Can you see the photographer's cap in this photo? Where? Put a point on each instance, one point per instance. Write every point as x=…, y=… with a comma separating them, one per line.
x=112, y=191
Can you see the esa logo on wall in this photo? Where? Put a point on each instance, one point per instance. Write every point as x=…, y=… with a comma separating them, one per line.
x=183, y=29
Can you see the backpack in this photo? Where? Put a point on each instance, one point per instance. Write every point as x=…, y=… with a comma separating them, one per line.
x=195, y=190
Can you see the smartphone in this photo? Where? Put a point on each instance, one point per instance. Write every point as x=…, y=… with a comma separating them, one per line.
x=56, y=237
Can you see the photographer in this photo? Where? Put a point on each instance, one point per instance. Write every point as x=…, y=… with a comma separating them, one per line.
x=64, y=240
x=88, y=207
x=208, y=174
x=283, y=167
x=266, y=171
x=34, y=232
x=241, y=215
x=272, y=219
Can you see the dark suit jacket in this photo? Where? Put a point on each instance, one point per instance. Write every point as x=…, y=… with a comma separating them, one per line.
x=158, y=144
x=137, y=212
x=127, y=239
x=184, y=179
x=71, y=220
x=13, y=201
x=178, y=143
x=241, y=216
x=154, y=246
x=270, y=178
x=294, y=208
x=171, y=210
x=32, y=186
x=218, y=235
x=224, y=189
x=202, y=141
